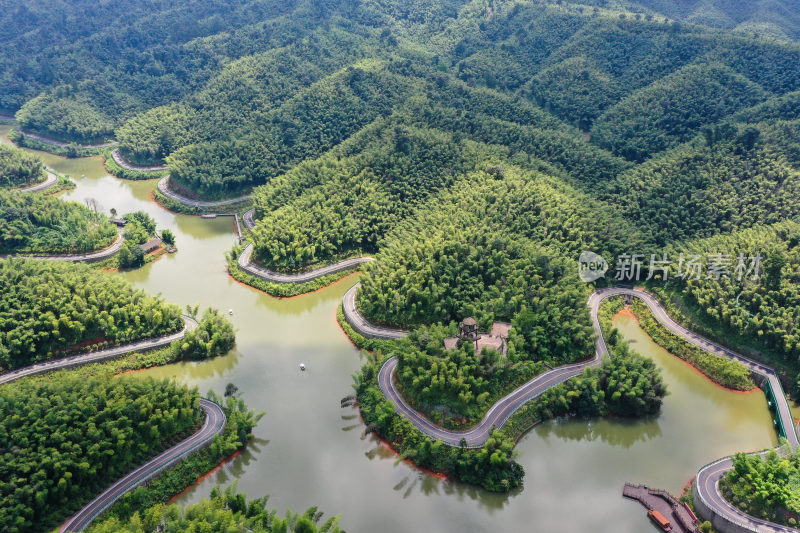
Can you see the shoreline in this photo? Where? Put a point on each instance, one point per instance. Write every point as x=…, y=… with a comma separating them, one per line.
x=205, y=476
x=627, y=312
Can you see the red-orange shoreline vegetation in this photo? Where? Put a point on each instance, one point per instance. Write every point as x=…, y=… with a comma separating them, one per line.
x=385, y=443
x=206, y=475
x=346, y=336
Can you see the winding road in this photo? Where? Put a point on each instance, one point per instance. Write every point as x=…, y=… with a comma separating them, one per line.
x=102, y=355
x=275, y=277
x=62, y=144
x=90, y=257
x=706, y=487
x=163, y=187
x=249, y=219
x=213, y=425
x=707, y=481
x=49, y=181
x=116, y=155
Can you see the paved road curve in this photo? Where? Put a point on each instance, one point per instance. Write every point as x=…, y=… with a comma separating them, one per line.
x=90, y=257
x=249, y=218
x=51, y=180
x=102, y=355
x=213, y=425
x=62, y=144
x=163, y=186
x=707, y=481
x=707, y=488
x=499, y=413
x=116, y=155
x=303, y=277
x=360, y=324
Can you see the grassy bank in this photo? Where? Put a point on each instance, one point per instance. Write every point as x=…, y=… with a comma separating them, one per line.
x=179, y=207
x=71, y=150
x=121, y=172
x=720, y=370
x=281, y=290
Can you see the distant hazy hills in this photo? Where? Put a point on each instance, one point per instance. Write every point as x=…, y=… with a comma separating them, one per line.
x=767, y=18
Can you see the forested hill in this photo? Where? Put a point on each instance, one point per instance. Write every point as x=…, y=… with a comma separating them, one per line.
x=82, y=70
x=18, y=168
x=41, y=225
x=779, y=19
x=49, y=309
x=666, y=121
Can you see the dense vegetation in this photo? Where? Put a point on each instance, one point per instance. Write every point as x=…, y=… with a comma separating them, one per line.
x=476, y=149
x=49, y=309
x=224, y=510
x=498, y=243
x=240, y=421
x=728, y=179
x=348, y=204
x=765, y=488
x=455, y=388
x=18, y=168
x=73, y=118
x=213, y=336
x=673, y=109
x=625, y=385
x=759, y=304
x=66, y=439
x=37, y=224
x=139, y=228
x=492, y=466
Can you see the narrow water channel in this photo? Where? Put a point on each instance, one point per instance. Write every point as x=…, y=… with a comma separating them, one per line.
x=308, y=451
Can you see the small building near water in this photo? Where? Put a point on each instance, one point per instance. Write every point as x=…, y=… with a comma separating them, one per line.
x=496, y=339
x=151, y=246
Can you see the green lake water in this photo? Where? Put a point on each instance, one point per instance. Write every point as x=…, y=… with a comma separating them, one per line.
x=308, y=451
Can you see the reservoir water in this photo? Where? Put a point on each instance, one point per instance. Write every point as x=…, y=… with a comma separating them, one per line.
x=308, y=451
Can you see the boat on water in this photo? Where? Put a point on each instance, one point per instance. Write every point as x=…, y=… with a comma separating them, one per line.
x=659, y=519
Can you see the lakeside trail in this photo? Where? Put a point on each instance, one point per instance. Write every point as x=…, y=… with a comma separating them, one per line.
x=213, y=425
x=707, y=495
x=116, y=155
x=89, y=257
x=49, y=181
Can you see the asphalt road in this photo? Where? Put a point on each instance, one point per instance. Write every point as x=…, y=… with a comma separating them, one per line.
x=51, y=180
x=62, y=144
x=707, y=487
x=91, y=257
x=102, y=355
x=712, y=347
x=213, y=425
x=249, y=219
x=360, y=324
x=708, y=477
x=303, y=277
x=121, y=161
x=534, y=387
x=163, y=186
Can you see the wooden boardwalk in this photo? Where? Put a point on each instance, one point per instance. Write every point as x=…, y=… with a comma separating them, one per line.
x=679, y=516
